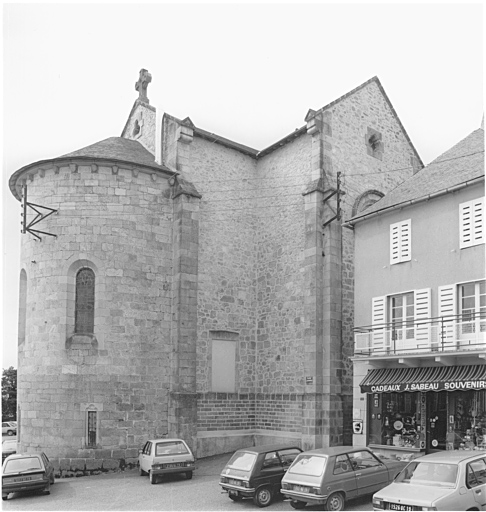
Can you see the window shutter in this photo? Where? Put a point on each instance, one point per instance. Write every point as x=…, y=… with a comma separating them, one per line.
x=394, y=244
x=471, y=222
x=422, y=313
x=478, y=221
x=447, y=309
x=405, y=241
x=400, y=242
x=378, y=316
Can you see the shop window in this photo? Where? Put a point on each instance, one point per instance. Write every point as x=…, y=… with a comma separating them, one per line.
x=471, y=223
x=400, y=242
x=84, y=306
x=395, y=419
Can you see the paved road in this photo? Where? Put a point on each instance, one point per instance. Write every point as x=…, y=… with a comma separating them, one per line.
x=129, y=491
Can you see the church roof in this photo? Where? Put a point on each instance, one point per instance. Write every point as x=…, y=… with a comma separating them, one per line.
x=114, y=149
x=458, y=166
x=118, y=148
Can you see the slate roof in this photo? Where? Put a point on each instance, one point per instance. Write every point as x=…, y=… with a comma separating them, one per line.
x=462, y=163
x=118, y=148
x=113, y=149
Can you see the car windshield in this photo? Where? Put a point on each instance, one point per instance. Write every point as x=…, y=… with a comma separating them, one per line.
x=429, y=473
x=23, y=464
x=170, y=448
x=308, y=465
x=242, y=460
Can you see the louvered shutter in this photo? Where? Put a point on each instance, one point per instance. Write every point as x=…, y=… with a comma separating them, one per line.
x=422, y=316
x=471, y=222
x=400, y=242
x=394, y=244
x=447, y=312
x=405, y=241
x=378, y=315
x=478, y=221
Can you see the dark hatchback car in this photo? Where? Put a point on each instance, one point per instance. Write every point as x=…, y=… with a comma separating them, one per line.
x=23, y=472
x=256, y=472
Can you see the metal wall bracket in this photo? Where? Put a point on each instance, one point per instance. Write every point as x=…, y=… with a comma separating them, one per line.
x=41, y=215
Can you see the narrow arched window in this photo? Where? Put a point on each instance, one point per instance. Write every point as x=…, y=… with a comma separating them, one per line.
x=22, y=306
x=85, y=297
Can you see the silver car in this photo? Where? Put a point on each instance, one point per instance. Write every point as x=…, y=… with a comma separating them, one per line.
x=451, y=480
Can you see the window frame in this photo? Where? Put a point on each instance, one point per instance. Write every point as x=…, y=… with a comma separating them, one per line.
x=82, y=324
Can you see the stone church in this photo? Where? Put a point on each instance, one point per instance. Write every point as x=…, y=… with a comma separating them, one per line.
x=177, y=283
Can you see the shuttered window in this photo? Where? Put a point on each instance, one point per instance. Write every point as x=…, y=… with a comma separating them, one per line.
x=471, y=222
x=400, y=242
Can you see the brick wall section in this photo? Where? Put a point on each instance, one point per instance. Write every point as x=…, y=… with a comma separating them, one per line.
x=233, y=411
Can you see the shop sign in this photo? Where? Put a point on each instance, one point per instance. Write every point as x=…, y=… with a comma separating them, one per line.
x=453, y=385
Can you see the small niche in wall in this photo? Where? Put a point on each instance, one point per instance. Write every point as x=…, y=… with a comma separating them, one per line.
x=374, y=143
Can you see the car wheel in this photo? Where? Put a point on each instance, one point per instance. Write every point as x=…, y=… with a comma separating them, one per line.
x=335, y=502
x=10, y=432
x=188, y=475
x=234, y=497
x=153, y=478
x=4, y=497
x=47, y=488
x=298, y=504
x=141, y=472
x=263, y=496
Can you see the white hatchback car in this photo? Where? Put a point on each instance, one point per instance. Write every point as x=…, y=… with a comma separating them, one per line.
x=162, y=456
x=451, y=480
x=9, y=427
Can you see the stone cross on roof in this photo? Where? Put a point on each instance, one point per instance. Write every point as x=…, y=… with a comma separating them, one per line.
x=142, y=84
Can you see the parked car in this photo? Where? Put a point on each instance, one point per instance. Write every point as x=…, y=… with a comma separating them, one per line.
x=330, y=476
x=9, y=427
x=256, y=472
x=450, y=480
x=9, y=446
x=163, y=456
x=23, y=472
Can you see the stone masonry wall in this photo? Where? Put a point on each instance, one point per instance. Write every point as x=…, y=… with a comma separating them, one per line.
x=117, y=222
x=360, y=172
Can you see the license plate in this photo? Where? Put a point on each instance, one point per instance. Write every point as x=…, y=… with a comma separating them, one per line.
x=22, y=479
x=397, y=506
x=233, y=493
x=174, y=465
x=300, y=488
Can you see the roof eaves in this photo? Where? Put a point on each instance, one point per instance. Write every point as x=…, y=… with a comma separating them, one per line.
x=409, y=202
x=87, y=159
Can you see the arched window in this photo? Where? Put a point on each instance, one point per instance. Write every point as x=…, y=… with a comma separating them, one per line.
x=84, y=307
x=22, y=306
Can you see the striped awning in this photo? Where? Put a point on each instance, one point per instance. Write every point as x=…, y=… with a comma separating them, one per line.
x=437, y=378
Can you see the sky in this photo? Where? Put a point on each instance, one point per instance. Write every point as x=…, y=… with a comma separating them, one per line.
x=246, y=71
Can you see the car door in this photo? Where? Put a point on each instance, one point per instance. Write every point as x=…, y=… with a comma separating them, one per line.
x=145, y=457
x=476, y=483
x=271, y=471
x=371, y=474
x=344, y=477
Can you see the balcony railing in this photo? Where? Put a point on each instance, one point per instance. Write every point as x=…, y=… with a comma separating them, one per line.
x=440, y=334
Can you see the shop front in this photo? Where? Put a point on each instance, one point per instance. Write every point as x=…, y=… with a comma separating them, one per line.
x=412, y=411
